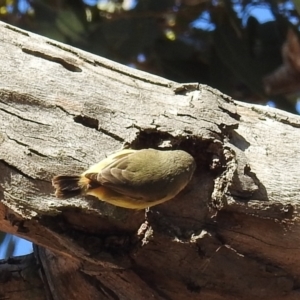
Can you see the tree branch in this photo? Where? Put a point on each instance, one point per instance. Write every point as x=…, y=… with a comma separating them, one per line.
x=232, y=234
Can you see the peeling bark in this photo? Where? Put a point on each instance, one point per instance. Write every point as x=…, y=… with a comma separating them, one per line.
x=233, y=233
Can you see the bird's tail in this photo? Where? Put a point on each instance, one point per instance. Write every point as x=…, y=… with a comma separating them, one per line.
x=67, y=186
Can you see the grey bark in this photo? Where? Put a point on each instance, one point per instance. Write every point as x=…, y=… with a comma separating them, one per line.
x=232, y=234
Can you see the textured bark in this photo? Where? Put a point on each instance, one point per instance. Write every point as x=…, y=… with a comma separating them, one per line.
x=233, y=233
x=20, y=278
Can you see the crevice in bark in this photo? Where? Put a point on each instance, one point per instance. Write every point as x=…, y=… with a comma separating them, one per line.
x=69, y=66
x=289, y=120
x=16, y=29
x=18, y=171
x=64, y=110
x=183, y=88
x=27, y=150
x=22, y=118
x=232, y=114
x=101, y=287
x=110, y=134
x=87, y=121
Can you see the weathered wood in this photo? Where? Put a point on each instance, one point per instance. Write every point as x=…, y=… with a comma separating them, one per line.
x=232, y=234
x=20, y=279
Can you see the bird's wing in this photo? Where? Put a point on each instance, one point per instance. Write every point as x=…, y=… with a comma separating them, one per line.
x=117, y=177
x=109, y=160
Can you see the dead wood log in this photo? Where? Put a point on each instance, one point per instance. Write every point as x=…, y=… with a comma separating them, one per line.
x=232, y=234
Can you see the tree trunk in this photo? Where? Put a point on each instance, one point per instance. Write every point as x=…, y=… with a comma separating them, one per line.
x=233, y=233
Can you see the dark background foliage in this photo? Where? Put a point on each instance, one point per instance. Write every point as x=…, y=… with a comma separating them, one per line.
x=248, y=49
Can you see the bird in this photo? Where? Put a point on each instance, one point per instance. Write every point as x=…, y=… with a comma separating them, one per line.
x=133, y=179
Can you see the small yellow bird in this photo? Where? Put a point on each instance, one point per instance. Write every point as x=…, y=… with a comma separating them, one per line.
x=133, y=179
